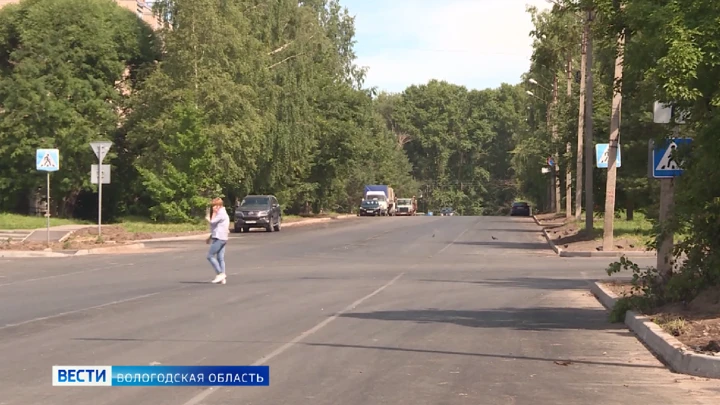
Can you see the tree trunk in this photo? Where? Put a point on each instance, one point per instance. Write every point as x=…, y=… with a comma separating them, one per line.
x=613, y=147
x=581, y=124
x=588, y=141
x=556, y=182
x=568, y=148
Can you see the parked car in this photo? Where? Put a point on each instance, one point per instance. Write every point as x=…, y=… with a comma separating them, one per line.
x=520, y=209
x=447, y=212
x=258, y=211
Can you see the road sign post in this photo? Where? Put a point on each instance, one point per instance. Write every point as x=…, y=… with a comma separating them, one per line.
x=663, y=166
x=101, y=149
x=47, y=160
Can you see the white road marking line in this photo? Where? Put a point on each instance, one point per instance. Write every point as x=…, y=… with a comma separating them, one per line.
x=66, y=274
x=208, y=391
x=139, y=297
x=454, y=240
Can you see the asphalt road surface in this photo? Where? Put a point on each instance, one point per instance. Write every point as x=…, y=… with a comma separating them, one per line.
x=401, y=311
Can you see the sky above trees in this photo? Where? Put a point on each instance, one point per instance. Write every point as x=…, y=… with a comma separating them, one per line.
x=476, y=43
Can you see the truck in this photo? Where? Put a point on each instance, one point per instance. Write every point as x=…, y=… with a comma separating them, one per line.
x=385, y=196
x=406, y=206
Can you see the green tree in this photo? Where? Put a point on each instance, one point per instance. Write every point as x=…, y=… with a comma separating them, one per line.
x=63, y=66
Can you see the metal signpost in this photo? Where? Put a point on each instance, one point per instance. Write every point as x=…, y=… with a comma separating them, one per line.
x=47, y=160
x=663, y=166
x=101, y=149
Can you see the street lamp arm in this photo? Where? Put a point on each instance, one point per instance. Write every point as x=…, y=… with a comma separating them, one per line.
x=531, y=94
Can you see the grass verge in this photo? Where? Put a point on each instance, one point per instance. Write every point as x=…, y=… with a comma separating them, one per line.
x=632, y=234
x=15, y=221
x=145, y=225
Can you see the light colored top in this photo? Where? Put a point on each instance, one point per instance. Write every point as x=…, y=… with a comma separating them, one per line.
x=220, y=225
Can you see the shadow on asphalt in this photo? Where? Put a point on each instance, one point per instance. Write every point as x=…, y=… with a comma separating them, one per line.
x=486, y=355
x=509, y=245
x=526, y=282
x=384, y=348
x=532, y=319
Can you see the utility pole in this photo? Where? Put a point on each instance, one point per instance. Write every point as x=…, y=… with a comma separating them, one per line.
x=553, y=173
x=581, y=123
x=568, y=147
x=613, y=146
x=556, y=167
x=588, y=144
x=665, y=260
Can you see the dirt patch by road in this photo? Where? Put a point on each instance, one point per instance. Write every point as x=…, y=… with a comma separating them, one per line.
x=551, y=219
x=573, y=238
x=695, y=324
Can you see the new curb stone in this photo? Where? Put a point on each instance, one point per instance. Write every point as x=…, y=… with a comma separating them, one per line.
x=678, y=357
x=83, y=252
x=204, y=235
x=617, y=253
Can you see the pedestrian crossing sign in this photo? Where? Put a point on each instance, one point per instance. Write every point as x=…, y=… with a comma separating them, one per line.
x=664, y=164
x=47, y=160
x=603, y=157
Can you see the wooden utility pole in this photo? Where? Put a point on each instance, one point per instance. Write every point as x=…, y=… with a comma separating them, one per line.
x=556, y=167
x=613, y=146
x=665, y=260
x=568, y=147
x=581, y=124
x=588, y=144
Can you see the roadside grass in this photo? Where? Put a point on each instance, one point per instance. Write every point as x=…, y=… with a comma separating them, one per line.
x=639, y=228
x=637, y=233
x=15, y=221
x=133, y=224
x=146, y=225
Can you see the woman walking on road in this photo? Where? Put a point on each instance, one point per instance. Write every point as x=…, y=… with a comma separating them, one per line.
x=219, y=232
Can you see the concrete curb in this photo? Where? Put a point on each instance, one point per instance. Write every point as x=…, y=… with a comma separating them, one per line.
x=203, y=236
x=564, y=253
x=110, y=249
x=628, y=253
x=82, y=252
x=676, y=355
x=537, y=221
x=311, y=221
x=30, y=253
x=550, y=242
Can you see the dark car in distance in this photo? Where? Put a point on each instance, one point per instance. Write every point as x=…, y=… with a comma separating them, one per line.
x=258, y=211
x=370, y=208
x=520, y=209
x=447, y=212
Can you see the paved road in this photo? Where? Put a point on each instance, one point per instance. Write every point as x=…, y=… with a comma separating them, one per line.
x=419, y=310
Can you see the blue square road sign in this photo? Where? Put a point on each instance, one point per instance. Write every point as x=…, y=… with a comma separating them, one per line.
x=664, y=165
x=47, y=160
x=602, y=156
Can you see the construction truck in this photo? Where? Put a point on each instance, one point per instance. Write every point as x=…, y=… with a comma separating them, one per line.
x=406, y=206
x=384, y=195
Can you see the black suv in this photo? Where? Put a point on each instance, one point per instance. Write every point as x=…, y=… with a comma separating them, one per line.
x=521, y=209
x=258, y=211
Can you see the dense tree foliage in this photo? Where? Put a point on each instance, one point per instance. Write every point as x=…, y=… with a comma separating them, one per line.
x=670, y=55
x=230, y=98
x=61, y=65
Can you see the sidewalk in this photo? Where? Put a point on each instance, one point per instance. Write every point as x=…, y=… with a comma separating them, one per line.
x=57, y=234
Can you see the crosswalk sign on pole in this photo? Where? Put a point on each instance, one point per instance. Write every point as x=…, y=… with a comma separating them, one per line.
x=664, y=163
x=47, y=160
x=602, y=155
